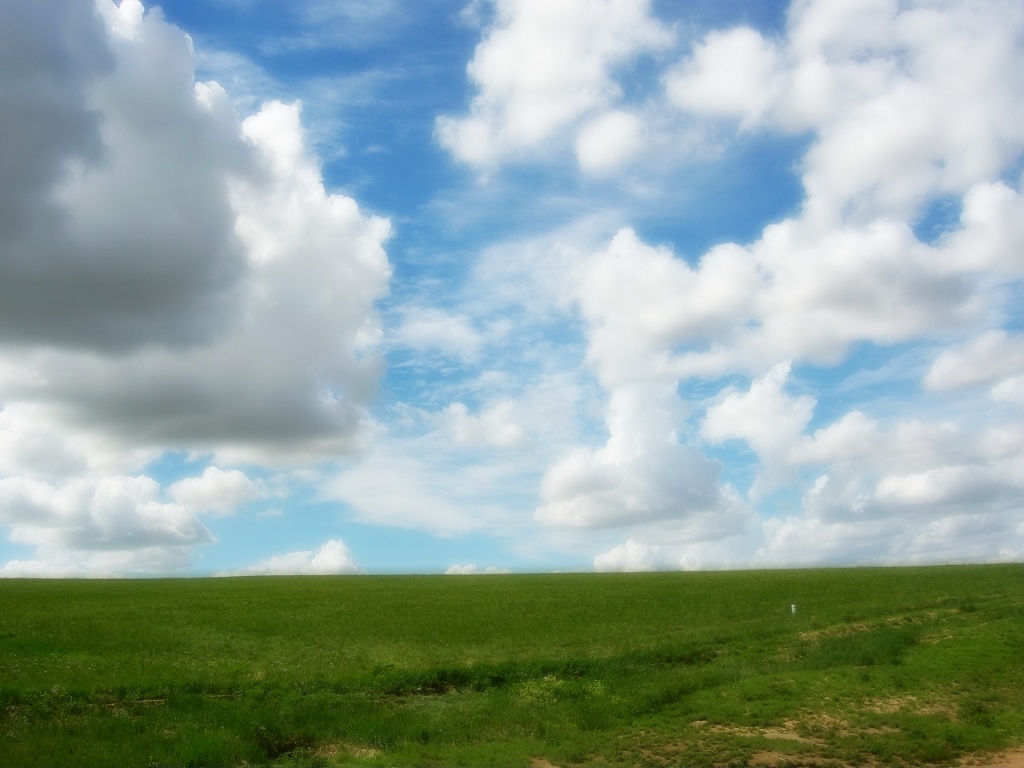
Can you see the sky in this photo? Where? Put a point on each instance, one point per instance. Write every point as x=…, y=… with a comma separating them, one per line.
x=364, y=286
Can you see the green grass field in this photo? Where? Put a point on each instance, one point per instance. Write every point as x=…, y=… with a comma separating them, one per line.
x=877, y=667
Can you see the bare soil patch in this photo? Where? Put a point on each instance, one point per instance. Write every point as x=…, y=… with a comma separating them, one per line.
x=1014, y=758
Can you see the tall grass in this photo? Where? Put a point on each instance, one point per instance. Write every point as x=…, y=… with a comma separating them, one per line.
x=911, y=665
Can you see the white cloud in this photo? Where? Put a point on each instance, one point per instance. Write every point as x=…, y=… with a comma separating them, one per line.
x=124, y=235
x=768, y=419
x=201, y=288
x=995, y=358
x=495, y=426
x=429, y=329
x=400, y=484
x=543, y=66
x=992, y=229
x=34, y=443
x=912, y=492
x=640, y=302
x=109, y=515
x=973, y=486
x=629, y=296
x=217, y=490
x=472, y=570
x=886, y=540
x=333, y=558
x=906, y=101
x=903, y=107
x=1010, y=390
x=60, y=563
x=732, y=73
x=829, y=289
x=847, y=268
x=642, y=472
x=473, y=465
x=171, y=277
x=40, y=569
x=608, y=141
x=628, y=557
x=764, y=416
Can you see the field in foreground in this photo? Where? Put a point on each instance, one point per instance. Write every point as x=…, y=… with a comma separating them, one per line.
x=903, y=666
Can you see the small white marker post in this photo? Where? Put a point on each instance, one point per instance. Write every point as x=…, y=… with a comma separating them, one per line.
x=793, y=608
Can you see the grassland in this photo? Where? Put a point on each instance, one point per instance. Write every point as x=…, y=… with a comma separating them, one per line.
x=877, y=667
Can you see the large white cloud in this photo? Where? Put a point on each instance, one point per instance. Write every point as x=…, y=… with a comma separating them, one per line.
x=131, y=242
x=172, y=276
x=769, y=420
x=543, y=66
x=995, y=359
x=609, y=141
x=638, y=303
x=112, y=513
x=495, y=426
x=909, y=491
x=906, y=100
x=732, y=73
x=331, y=559
x=217, y=490
x=632, y=556
x=245, y=289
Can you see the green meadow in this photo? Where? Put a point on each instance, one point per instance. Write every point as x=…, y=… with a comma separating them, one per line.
x=902, y=666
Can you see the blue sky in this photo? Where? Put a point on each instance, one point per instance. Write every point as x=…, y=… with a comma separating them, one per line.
x=505, y=285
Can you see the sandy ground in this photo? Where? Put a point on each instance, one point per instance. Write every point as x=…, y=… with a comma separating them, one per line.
x=1012, y=759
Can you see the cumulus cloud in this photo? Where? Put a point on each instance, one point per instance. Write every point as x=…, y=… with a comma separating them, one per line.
x=767, y=418
x=764, y=416
x=629, y=557
x=495, y=426
x=608, y=141
x=842, y=524
x=871, y=90
x=540, y=68
x=34, y=442
x=51, y=122
x=870, y=80
x=217, y=490
x=995, y=358
x=891, y=494
x=333, y=558
x=172, y=276
x=642, y=473
x=808, y=294
x=472, y=570
x=125, y=233
x=112, y=513
x=732, y=73
x=629, y=296
x=59, y=563
x=228, y=297
x=992, y=228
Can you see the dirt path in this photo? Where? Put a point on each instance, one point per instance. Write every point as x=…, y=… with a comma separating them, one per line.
x=1012, y=759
